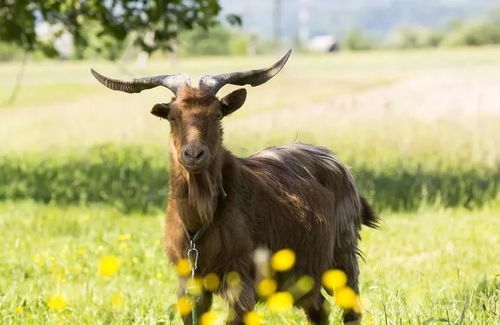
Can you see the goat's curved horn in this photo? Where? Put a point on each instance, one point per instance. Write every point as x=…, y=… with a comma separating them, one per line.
x=252, y=77
x=172, y=82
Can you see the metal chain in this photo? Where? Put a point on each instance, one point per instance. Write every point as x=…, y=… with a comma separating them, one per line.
x=192, y=255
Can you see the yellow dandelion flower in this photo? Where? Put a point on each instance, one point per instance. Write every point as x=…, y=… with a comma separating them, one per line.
x=280, y=302
x=183, y=267
x=123, y=246
x=56, y=303
x=209, y=318
x=19, y=309
x=211, y=282
x=124, y=237
x=283, y=260
x=194, y=286
x=184, y=305
x=334, y=279
x=252, y=318
x=159, y=275
x=117, y=301
x=345, y=297
x=109, y=265
x=266, y=287
x=233, y=279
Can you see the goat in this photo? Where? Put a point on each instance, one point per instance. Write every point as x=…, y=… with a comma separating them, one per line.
x=298, y=196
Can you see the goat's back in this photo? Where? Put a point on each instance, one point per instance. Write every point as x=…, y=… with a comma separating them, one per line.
x=304, y=198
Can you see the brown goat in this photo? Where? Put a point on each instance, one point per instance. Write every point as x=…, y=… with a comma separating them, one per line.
x=299, y=196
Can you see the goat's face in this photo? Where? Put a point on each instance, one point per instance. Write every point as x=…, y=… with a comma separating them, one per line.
x=195, y=113
x=195, y=122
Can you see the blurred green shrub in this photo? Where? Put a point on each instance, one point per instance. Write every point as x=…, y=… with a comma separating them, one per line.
x=218, y=40
x=130, y=178
x=357, y=40
x=415, y=37
x=134, y=178
x=473, y=33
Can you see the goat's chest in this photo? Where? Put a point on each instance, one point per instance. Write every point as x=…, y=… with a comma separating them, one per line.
x=223, y=250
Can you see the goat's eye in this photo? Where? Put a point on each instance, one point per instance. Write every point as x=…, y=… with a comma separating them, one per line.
x=217, y=117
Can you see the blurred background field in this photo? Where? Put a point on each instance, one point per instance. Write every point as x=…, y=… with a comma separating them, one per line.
x=417, y=127
x=413, y=109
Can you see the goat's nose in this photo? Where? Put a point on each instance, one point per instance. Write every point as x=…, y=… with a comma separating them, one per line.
x=194, y=154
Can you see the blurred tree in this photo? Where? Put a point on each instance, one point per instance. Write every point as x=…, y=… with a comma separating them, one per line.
x=408, y=37
x=473, y=33
x=101, y=26
x=153, y=23
x=218, y=40
x=357, y=40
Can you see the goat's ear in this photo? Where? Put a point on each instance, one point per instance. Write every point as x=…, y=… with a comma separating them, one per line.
x=233, y=101
x=160, y=110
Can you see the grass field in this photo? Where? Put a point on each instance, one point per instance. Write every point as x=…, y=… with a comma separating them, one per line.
x=82, y=176
x=433, y=267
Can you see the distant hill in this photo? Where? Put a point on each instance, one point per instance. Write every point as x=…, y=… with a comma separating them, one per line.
x=378, y=17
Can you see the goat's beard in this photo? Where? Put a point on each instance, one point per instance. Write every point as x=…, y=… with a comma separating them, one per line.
x=202, y=194
x=200, y=190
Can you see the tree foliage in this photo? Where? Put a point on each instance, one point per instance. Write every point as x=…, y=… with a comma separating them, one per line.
x=151, y=23
x=357, y=40
x=215, y=41
x=415, y=36
x=473, y=33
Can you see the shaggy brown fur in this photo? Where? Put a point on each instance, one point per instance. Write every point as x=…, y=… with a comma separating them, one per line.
x=298, y=196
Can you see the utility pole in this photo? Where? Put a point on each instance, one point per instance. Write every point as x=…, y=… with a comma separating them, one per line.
x=303, y=22
x=277, y=22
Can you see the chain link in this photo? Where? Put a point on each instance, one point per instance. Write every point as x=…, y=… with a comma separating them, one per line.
x=192, y=255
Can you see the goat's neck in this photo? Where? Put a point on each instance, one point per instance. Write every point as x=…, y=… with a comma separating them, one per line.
x=196, y=195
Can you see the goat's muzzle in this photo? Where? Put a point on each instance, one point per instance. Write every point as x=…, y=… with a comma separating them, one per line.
x=194, y=156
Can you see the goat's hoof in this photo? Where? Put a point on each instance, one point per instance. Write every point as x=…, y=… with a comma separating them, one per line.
x=353, y=322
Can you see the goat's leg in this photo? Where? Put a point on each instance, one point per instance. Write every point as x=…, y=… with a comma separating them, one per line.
x=244, y=303
x=203, y=303
x=346, y=259
x=314, y=306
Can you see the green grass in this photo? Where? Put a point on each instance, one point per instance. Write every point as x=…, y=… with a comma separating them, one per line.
x=134, y=178
x=437, y=266
x=45, y=94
